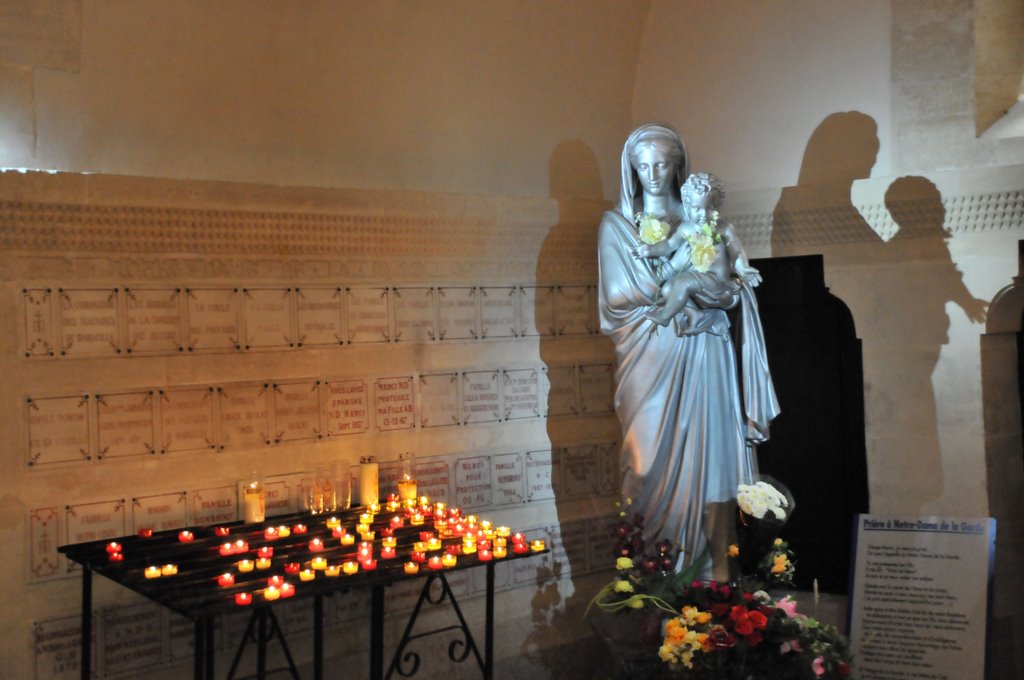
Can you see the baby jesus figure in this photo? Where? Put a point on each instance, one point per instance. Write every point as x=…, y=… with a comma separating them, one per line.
x=707, y=264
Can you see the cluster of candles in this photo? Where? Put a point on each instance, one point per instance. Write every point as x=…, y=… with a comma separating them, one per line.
x=478, y=537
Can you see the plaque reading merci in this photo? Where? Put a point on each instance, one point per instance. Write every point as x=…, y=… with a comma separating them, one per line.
x=919, y=604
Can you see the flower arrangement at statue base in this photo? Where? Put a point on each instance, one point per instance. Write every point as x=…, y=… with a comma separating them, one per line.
x=714, y=631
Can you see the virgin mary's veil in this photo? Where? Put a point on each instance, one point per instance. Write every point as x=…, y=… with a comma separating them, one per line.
x=650, y=133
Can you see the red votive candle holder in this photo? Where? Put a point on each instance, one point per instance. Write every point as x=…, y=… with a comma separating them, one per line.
x=520, y=548
x=271, y=534
x=287, y=590
x=113, y=547
x=226, y=579
x=388, y=553
x=241, y=546
x=484, y=555
x=435, y=563
x=227, y=549
x=369, y=564
x=426, y=535
x=418, y=556
x=145, y=532
x=316, y=545
x=276, y=580
x=186, y=536
x=265, y=551
x=292, y=567
x=397, y=522
x=221, y=532
x=115, y=557
x=242, y=599
x=300, y=529
x=454, y=549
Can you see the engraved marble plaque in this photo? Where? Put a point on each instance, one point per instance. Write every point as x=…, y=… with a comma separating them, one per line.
x=367, y=315
x=352, y=607
x=561, y=390
x=346, y=407
x=498, y=312
x=296, y=615
x=537, y=310
x=181, y=637
x=388, y=474
x=154, y=320
x=94, y=521
x=88, y=322
x=268, y=318
x=160, y=512
x=215, y=505
x=439, y=400
x=297, y=410
x=573, y=310
x=507, y=471
x=568, y=546
x=125, y=424
x=472, y=482
x=57, y=647
x=597, y=388
x=395, y=403
x=282, y=494
x=212, y=319
x=38, y=322
x=414, y=314
x=608, y=462
x=522, y=393
x=319, y=313
x=44, y=535
x=58, y=430
x=243, y=415
x=402, y=596
x=186, y=419
x=456, y=312
x=580, y=474
x=481, y=397
x=132, y=638
x=433, y=479
x=540, y=476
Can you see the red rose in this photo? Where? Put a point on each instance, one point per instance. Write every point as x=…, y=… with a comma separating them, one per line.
x=758, y=619
x=720, y=638
x=743, y=627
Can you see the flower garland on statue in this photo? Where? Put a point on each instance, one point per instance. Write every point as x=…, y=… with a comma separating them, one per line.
x=701, y=244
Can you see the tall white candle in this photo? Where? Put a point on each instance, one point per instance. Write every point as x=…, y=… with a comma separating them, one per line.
x=368, y=480
x=253, y=502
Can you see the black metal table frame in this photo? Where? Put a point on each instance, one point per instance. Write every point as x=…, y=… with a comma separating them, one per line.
x=203, y=652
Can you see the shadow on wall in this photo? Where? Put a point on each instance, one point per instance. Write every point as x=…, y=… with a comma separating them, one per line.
x=899, y=300
x=573, y=175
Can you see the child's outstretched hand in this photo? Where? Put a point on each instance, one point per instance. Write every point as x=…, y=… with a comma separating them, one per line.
x=747, y=274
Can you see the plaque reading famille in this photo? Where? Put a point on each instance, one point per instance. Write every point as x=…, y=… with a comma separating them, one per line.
x=433, y=479
x=597, y=388
x=243, y=415
x=212, y=319
x=580, y=474
x=439, y=400
x=507, y=474
x=346, y=407
x=297, y=410
x=367, y=315
x=537, y=310
x=154, y=320
x=456, y=313
x=94, y=521
x=481, y=397
x=319, y=314
x=561, y=390
x=268, y=318
x=132, y=638
x=44, y=535
x=38, y=322
x=573, y=310
x=522, y=394
x=57, y=647
x=186, y=419
x=568, y=544
x=216, y=505
x=540, y=476
x=58, y=430
x=88, y=322
x=395, y=403
x=472, y=482
x=125, y=424
x=160, y=512
x=608, y=463
x=498, y=312
x=414, y=314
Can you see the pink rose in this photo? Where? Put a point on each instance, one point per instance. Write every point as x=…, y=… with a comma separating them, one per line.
x=788, y=605
x=818, y=665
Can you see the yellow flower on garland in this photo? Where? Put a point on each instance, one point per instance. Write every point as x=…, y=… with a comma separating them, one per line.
x=622, y=586
x=702, y=251
x=623, y=563
x=651, y=229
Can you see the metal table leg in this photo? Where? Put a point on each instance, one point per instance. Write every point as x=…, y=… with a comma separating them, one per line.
x=86, y=622
x=489, y=625
x=377, y=634
x=318, y=637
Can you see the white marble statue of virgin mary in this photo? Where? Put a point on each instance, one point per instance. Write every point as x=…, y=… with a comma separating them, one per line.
x=690, y=414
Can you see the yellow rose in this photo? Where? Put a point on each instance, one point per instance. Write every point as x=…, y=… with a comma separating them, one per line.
x=702, y=252
x=623, y=563
x=636, y=603
x=652, y=230
x=734, y=550
x=622, y=586
x=778, y=542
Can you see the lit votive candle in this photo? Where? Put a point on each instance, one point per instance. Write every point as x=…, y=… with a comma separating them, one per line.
x=145, y=532
x=333, y=523
x=318, y=563
x=368, y=535
x=316, y=545
x=537, y=545
x=486, y=524
x=113, y=547
x=389, y=542
x=227, y=549
x=332, y=570
x=245, y=566
x=152, y=572
x=418, y=556
x=518, y=538
x=484, y=555
x=440, y=509
x=241, y=546
x=307, y=575
x=520, y=548
x=348, y=539
x=226, y=579
x=388, y=553
x=454, y=513
x=416, y=519
x=243, y=599
x=419, y=546
x=221, y=532
x=300, y=529
x=441, y=526
x=449, y=560
x=292, y=567
x=426, y=535
x=412, y=568
x=272, y=593
x=270, y=533
x=454, y=549
x=397, y=522
x=469, y=548
x=287, y=589
x=374, y=508
x=471, y=521
x=387, y=531
x=498, y=540
x=362, y=527
x=500, y=551
x=265, y=551
x=434, y=544
x=488, y=534
x=263, y=562
x=283, y=531
x=276, y=580
x=369, y=565
x=503, y=532
x=366, y=518
x=115, y=557
x=435, y=563
x=350, y=568
x=169, y=570
x=393, y=505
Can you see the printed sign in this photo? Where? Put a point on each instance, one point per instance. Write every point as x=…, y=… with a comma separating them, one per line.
x=498, y=312
x=481, y=397
x=212, y=319
x=154, y=320
x=125, y=424
x=456, y=310
x=319, y=315
x=573, y=310
x=243, y=415
x=38, y=322
x=296, y=410
x=58, y=430
x=346, y=407
x=439, y=400
x=537, y=310
x=186, y=419
x=268, y=318
x=395, y=403
x=367, y=311
x=522, y=394
x=472, y=482
x=88, y=323
x=414, y=315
